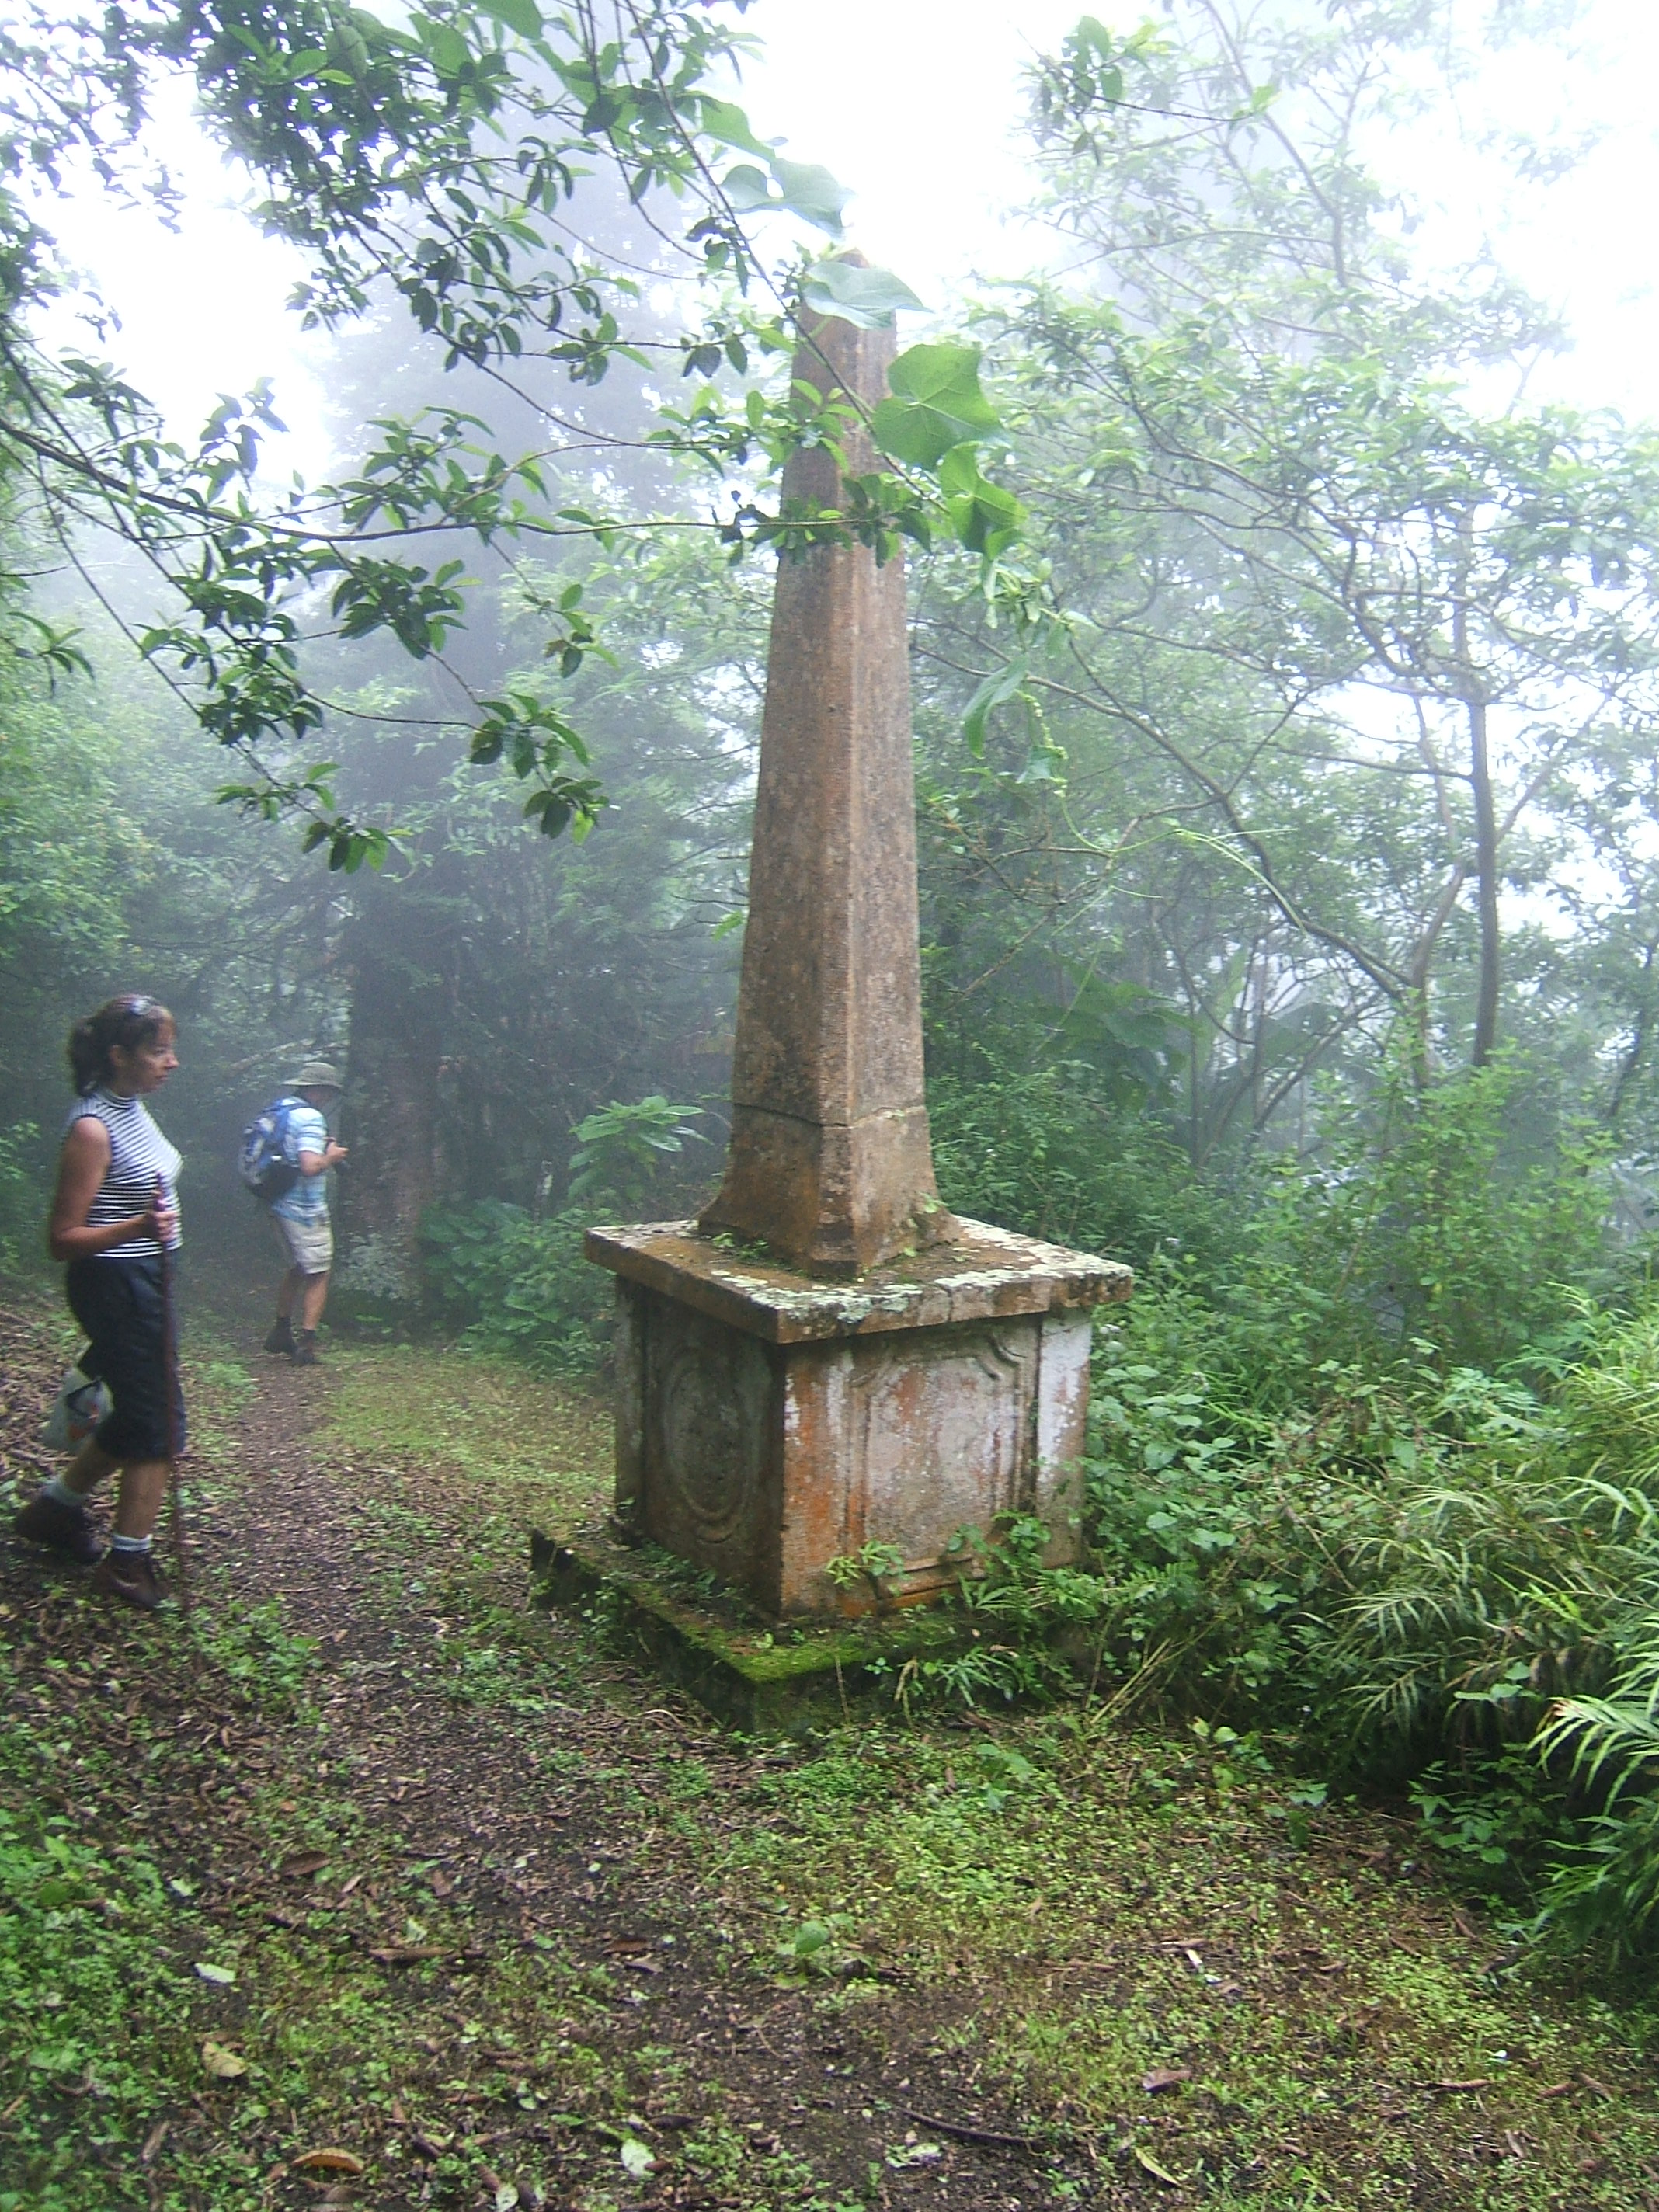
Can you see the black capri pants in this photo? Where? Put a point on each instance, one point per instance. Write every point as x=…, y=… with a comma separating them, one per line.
x=118, y=1303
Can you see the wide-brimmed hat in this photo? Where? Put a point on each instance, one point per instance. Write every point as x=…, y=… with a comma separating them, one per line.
x=319, y=1075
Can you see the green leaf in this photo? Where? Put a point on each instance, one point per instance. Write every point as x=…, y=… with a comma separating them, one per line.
x=449, y=49
x=867, y=298
x=636, y=2158
x=722, y=120
x=811, y=192
x=999, y=686
x=523, y=17
x=986, y=518
x=748, y=188
x=936, y=405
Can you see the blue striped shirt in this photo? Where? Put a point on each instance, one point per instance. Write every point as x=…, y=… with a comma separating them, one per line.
x=138, y=1154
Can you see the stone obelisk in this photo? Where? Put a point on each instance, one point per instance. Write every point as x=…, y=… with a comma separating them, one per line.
x=828, y=1368
x=829, y=1165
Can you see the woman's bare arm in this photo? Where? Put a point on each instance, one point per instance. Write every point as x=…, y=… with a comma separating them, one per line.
x=83, y=1166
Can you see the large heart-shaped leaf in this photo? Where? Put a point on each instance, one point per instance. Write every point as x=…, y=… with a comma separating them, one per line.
x=936, y=405
x=868, y=298
x=811, y=192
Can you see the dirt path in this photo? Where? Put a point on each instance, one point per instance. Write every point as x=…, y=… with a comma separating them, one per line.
x=371, y=1884
x=556, y=1830
x=501, y=1892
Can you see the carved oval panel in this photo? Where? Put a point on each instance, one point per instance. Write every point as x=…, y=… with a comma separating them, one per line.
x=709, y=1388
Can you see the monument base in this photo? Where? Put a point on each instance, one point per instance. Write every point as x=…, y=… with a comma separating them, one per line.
x=796, y=1682
x=824, y=1446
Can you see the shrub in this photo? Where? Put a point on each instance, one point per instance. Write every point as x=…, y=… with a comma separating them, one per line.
x=515, y=1285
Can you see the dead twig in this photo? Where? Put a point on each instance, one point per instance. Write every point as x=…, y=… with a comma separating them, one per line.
x=994, y=2138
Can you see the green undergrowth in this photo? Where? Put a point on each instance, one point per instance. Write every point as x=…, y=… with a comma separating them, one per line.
x=217, y=1957
x=1163, y=1947
x=1148, y=1952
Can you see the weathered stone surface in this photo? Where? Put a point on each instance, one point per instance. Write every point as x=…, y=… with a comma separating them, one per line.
x=830, y=1164
x=848, y=1378
x=768, y=1424
x=976, y=1272
x=745, y=1674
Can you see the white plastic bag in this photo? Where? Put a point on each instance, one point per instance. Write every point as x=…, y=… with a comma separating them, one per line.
x=76, y=1410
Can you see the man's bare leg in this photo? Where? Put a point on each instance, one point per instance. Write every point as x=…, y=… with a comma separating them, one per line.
x=316, y=1298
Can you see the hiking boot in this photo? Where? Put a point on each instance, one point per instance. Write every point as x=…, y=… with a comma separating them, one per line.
x=130, y=1576
x=60, y=1528
x=305, y=1348
x=282, y=1337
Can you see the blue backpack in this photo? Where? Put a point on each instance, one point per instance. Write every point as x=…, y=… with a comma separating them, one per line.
x=263, y=1162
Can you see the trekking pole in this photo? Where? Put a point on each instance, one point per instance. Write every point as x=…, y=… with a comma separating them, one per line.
x=175, y=1441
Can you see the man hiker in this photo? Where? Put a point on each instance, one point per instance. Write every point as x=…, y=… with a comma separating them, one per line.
x=300, y=1213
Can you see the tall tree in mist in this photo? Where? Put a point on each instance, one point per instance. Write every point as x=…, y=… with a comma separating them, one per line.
x=1327, y=653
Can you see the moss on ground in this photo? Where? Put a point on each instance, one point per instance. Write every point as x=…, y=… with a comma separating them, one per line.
x=448, y=1852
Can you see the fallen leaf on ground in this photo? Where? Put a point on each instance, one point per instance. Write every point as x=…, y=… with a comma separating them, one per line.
x=328, y=2160
x=1165, y=2077
x=222, y=1975
x=153, y=2142
x=1159, y=2172
x=914, y=2154
x=303, y=1863
x=222, y=2063
x=637, y=2157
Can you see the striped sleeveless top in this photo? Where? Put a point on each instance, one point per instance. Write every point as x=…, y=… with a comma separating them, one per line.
x=139, y=1153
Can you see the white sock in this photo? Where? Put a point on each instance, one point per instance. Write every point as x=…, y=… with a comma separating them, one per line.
x=60, y=1494
x=129, y=1545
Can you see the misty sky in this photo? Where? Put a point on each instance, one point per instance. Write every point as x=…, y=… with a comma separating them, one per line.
x=915, y=104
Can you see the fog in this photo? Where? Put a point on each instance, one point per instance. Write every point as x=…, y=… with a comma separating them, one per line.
x=918, y=110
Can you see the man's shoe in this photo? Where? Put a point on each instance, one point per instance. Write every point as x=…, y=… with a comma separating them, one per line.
x=282, y=1337
x=305, y=1348
x=130, y=1577
x=60, y=1528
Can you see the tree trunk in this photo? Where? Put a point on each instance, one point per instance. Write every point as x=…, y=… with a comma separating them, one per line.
x=390, y=1124
x=1485, y=869
x=1486, y=815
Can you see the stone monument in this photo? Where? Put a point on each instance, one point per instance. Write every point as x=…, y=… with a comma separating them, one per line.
x=828, y=1367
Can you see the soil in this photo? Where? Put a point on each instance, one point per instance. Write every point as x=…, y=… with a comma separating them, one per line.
x=463, y=1793
x=530, y=1901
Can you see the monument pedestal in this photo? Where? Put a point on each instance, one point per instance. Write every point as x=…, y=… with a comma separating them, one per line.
x=769, y=1423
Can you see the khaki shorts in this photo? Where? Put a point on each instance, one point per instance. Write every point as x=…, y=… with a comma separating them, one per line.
x=307, y=1245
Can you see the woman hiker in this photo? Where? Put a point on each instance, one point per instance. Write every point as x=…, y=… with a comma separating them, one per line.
x=114, y=1213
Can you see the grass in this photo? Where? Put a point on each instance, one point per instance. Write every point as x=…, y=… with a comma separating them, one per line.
x=476, y=1427
x=1159, y=1963
x=1108, y=1912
